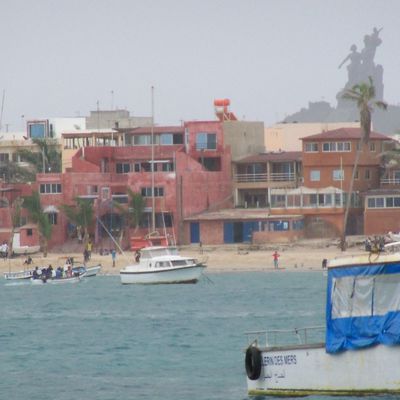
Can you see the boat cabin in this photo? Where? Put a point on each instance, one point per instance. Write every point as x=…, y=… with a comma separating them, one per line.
x=363, y=302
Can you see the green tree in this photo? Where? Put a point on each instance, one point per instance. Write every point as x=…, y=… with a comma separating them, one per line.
x=13, y=173
x=47, y=159
x=37, y=216
x=80, y=214
x=363, y=94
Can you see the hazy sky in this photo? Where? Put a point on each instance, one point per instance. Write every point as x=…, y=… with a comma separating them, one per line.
x=270, y=57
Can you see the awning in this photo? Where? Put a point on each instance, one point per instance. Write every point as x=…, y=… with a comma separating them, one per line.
x=51, y=209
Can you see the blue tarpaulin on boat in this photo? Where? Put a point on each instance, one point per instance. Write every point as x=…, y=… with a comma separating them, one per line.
x=363, y=307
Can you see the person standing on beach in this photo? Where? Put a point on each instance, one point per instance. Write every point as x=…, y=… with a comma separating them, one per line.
x=89, y=247
x=276, y=256
x=113, y=257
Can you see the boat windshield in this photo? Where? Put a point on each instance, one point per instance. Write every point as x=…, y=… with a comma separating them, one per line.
x=156, y=252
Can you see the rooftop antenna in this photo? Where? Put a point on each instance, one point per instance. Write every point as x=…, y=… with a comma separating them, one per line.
x=2, y=108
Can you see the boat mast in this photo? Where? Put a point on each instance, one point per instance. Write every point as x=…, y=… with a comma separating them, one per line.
x=153, y=200
x=2, y=109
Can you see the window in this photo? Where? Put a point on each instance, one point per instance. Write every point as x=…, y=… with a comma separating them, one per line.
x=120, y=198
x=166, y=167
x=47, y=188
x=211, y=163
x=278, y=200
x=92, y=189
x=105, y=193
x=4, y=157
x=311, y=147
x=158, y=192
x=356, y=175
x=298, y=225
x=372, y=146
x=338, y=175
x=171, y=138
x=367, y=174
x=363, y=296
x=206, y=141
x=315, y=175
x=344, y=146
x=336, y=146
x=142, y=140
x=122, y=168
x=29, y=232
x=146, y=167
x=166, y=138
x=52, y=218
x=376, y=202
x=278, y=225
x=330, y=146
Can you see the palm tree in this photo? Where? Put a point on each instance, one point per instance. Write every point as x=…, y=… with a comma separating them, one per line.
x=81, y=214
x=363, y=94
x=32, y=204
x=135, y=211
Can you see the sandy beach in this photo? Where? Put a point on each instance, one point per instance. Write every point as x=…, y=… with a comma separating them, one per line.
x=305, y=255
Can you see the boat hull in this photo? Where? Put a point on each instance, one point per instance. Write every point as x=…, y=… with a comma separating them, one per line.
x=92, y=271
x=187, y=274
x=18, y=275
x=308, y=370
x=60, y=281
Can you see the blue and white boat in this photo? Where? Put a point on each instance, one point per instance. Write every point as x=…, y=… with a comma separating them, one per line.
x=361, y=351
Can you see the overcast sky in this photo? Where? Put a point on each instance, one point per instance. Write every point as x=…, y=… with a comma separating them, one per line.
x=269, y=57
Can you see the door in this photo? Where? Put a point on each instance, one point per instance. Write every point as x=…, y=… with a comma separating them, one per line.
x=228, y=232
x=194, y=232
x=248, y=229
x=238, y=232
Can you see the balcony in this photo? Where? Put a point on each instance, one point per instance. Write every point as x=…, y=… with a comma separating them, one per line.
x=390, y=181
x=264, y=177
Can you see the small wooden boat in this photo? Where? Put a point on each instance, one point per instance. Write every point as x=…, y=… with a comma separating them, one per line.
x=57, y=281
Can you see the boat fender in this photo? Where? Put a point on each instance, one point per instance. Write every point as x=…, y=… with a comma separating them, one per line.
x=253, y=363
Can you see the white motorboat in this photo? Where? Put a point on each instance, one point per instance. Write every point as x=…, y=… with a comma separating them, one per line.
x=160, y=264
x=361, y=352
x=26, y=274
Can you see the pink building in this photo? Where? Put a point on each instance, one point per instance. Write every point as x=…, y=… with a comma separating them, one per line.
x=192, y=173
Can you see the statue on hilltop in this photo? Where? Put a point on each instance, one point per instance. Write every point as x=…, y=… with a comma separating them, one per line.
x=362, y=66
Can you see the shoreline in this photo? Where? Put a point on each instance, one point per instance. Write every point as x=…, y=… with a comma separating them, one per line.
x=302, y=256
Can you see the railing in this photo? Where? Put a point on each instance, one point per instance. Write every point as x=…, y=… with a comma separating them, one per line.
x=390, y=181
x=271, y=337
x=264, y=177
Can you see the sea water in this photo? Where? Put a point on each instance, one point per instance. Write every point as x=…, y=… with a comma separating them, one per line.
x=101, y=340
